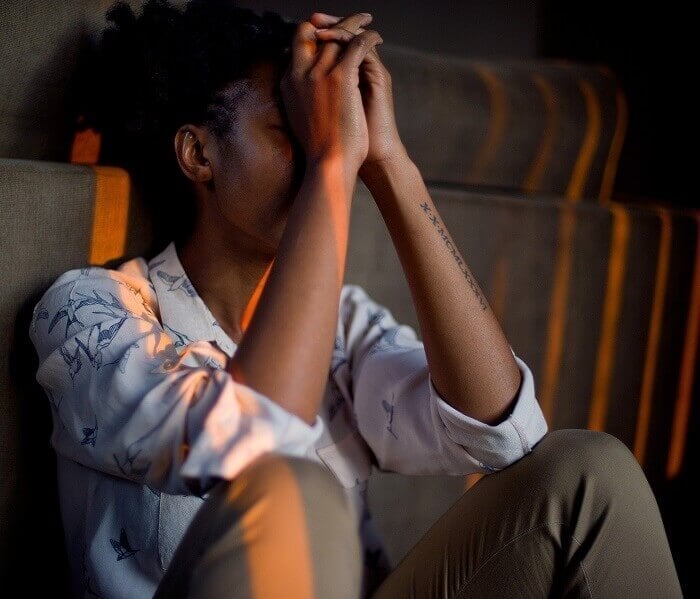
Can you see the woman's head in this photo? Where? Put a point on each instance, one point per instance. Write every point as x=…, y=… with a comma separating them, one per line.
x=188, y=101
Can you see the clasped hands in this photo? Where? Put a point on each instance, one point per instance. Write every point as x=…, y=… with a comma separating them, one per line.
x=375, y=87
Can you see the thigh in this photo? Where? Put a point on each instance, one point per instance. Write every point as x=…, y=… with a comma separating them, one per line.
x=267, y=533
x=482, y=545
x=574, y=517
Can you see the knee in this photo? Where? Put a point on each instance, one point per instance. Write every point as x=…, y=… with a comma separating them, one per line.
x=576, y=454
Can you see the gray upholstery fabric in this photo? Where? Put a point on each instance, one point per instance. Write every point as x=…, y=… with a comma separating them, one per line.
x=481, y=123
x=40, y=45
x=47, y=218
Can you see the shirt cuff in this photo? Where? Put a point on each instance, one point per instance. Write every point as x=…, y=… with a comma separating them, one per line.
x=240, y=425
x=496, y=446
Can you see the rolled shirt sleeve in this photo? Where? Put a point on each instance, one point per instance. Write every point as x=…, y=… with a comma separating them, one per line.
x=410, y=428
x=125, y=402
x=497, y=446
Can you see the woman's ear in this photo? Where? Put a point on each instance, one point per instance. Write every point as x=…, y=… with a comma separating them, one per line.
x=191, y=150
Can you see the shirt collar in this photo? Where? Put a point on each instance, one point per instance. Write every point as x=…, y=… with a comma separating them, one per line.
x=183, y=313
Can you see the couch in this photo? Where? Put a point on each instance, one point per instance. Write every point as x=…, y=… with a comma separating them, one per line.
x=600, y=297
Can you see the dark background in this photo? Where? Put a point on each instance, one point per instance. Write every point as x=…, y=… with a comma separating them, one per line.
x=648, y=46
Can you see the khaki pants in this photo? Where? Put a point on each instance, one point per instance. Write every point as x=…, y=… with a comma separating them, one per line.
x=574, y=518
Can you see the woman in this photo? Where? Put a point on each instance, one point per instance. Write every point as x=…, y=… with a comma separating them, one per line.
x=203, y=446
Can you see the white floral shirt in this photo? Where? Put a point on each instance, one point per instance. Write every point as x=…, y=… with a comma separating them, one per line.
x=133, y=363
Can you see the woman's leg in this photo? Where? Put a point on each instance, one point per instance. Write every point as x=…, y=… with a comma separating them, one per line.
x=282, y=528
x=575, y=518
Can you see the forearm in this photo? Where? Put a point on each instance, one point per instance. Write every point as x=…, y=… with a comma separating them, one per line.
x=286, y=350
x=469, y=357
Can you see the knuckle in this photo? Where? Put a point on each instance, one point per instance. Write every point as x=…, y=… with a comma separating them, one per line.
x=361, y=41
x=313, y=75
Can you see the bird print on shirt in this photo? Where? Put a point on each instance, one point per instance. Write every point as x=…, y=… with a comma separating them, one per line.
x=66, y=311
x=121, y=364
x=109, y=307
x=89, y=434
x=387, y=338
x=338, y=358
x=179, y=339
x=72, y=360
x=122, y=547
x=389, y=409
x=40, y=314
x=98, y=340
x=374, y=318
x=177, y=282
x=126, y=465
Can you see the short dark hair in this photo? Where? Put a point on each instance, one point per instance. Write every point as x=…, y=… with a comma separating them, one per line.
x=148, y=75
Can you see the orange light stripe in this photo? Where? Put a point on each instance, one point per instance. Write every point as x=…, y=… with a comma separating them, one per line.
x=652, y=353
x=254, y=299
x=497, y=122
x=614, y=291
x=86, y=147
x=557, y=311
x=535, y=173
x=110, y=214
x=606, y=186
x=273, y=573
x=472, y=479
x=688, y=365
x=591, y=138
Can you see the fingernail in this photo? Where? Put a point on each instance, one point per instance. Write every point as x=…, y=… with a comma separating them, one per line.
x=366, y=14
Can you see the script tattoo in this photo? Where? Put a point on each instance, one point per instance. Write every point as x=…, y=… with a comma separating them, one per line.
x=450, y=246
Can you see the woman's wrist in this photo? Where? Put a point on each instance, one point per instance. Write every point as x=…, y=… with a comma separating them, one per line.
x=334, y=171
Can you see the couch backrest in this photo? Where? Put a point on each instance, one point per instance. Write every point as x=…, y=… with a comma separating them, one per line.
x=531, y=126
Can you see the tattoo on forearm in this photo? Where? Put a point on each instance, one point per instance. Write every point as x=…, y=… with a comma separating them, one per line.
x=460, y=263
